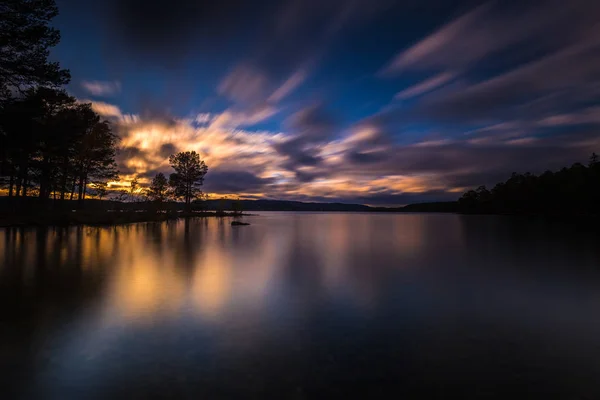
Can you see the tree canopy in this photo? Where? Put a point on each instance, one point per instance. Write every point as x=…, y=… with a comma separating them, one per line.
x=25, y=42
x=159, y=189
x=52, y=144
x=188, y=177
x=574, y=190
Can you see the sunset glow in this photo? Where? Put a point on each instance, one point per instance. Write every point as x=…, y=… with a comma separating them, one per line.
x=421, y=117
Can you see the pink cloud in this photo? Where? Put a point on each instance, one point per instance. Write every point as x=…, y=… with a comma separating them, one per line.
x=288, y=86
x=101, y=88
x=425, y=86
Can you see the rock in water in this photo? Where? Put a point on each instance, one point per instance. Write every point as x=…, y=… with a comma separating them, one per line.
x=238, y=223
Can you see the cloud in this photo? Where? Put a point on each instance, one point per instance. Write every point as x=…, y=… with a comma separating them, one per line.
x=203, y=118
x=311, y=127
x=453, y=43
x=288, y=86
x=506, y=86
x=294, y=37
x=165, y=33
x=244, y=84
x=495, y=26
x=363, y=165
x=314, y=122
x=564, y=75
x=590, y=115
x=167, y=149
x=547, y=64
x=425, y=86
x=101, y=88
x=105, y=109
x=111, y=112
x=233, y=118
x=224, y=181
x=147, y=144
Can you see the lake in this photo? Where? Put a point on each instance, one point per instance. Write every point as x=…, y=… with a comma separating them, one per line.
x=302, y=305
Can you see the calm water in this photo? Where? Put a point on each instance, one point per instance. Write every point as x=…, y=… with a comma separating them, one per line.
x=300, y=306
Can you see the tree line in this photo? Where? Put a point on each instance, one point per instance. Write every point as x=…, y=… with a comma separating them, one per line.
x=570, y=191
x=54, y=146
x=51, y=145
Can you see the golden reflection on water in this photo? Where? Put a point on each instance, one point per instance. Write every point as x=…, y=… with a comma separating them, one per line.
x=175, y=302
x=156, y=270
x=211, y=282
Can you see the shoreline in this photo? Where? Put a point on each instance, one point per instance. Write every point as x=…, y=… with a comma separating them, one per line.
x=108, y=218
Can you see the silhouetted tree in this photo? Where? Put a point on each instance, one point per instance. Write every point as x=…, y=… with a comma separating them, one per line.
x=574, y=190
x=101, y=189
x=95, y=159
x=133, y=187
x=52, y=144
x=188, y=177
x=236, y=206
x=159, y=189
x=25, y=40
x=49, y=143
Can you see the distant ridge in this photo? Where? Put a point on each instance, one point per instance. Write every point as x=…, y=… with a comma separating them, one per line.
x=284, y=205
x=250, y=205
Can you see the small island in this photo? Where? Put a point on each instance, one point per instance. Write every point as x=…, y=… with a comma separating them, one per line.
x=239, y=223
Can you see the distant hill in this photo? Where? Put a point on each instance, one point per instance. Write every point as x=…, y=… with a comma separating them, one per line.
x=283, y=205
x=252, y=205
x=441, y=206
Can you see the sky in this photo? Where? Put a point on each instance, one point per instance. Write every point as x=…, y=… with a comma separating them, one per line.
x=377, y=102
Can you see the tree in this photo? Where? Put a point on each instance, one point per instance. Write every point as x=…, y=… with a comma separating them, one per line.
x=49, y=143
x=158, y=190
x=133, y=186
x=52, y=144
x=188, y=177
x=236, y=207
x=25, y=40
x=96, y=156
x=101, y=189
x=573, y=190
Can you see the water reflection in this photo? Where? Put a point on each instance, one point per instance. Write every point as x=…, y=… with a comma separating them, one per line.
x=300, y=304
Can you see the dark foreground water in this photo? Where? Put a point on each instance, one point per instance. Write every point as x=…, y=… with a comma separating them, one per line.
x=300, y=306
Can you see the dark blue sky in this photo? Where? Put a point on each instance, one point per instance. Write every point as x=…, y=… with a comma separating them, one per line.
x=380, y=102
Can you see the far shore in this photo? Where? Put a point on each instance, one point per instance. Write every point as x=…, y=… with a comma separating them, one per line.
x=104, y=218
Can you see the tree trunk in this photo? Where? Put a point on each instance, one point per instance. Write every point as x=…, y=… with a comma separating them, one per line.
x=18, y=186
x=63, y=183
x=84, y=187
x=23, y=175
x=80, y=191
x=73, y=188
x=11, y=182
x=188, y=197
x=44, y=179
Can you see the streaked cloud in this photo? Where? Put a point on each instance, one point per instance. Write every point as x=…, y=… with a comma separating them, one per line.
x=101, y=88
x=288, y=86
x=316, y=161
x=244, y=84
x=425, y=86
x=105, y=109
x=111, y=112
x=233, y=119
x=485, y=89
x=452, y=43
